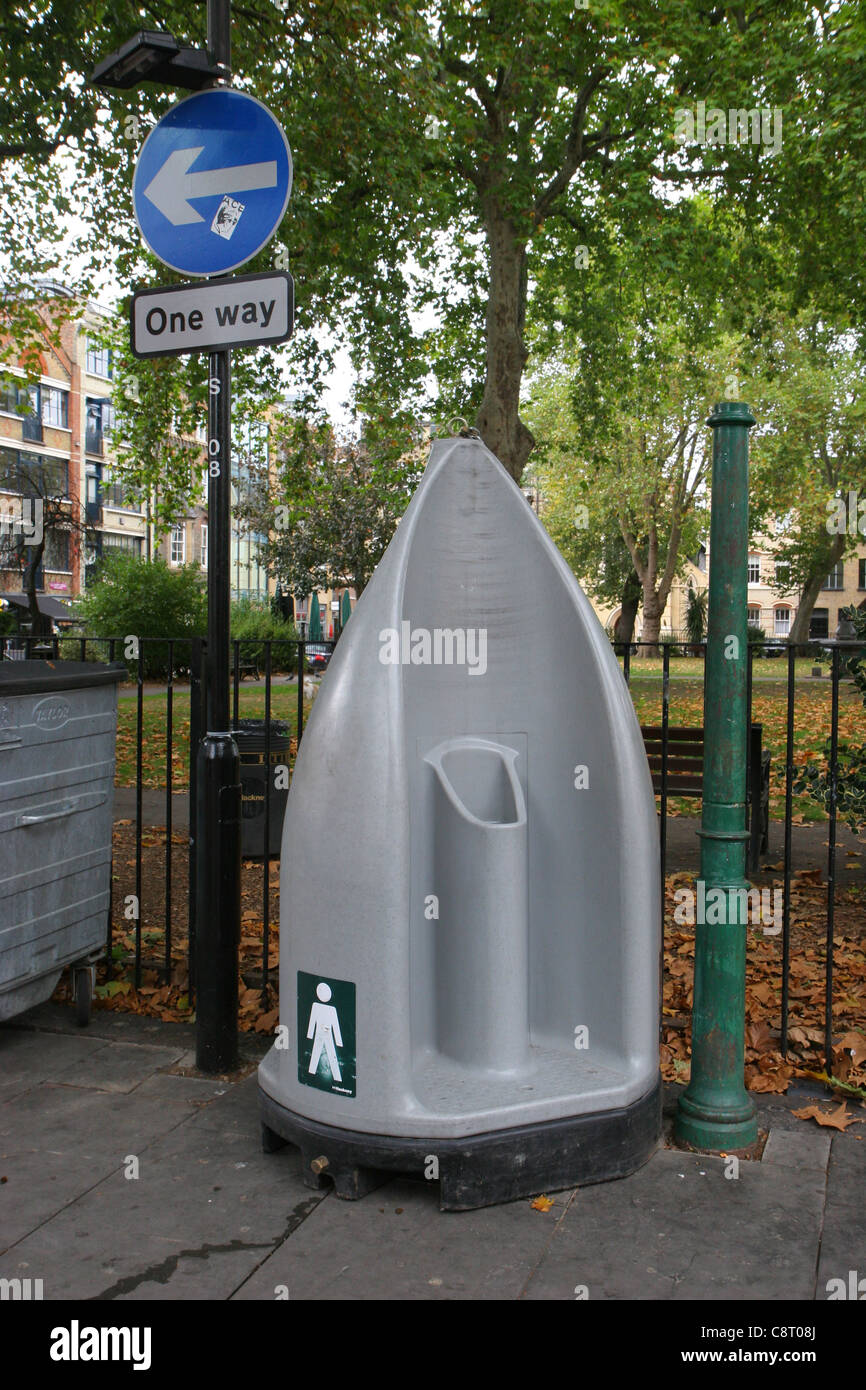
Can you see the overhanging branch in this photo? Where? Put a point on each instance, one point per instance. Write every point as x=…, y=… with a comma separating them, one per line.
x=574, y=151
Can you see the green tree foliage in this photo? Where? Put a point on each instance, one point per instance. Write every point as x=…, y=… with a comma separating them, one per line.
x=330, y=505
x=253, y=624
x=161, y=408
x=445, y=153
x=626, y=404
x=587, y=535
x=44, y=110
x=814, y=196
x=696, y=614
x=133, y=597
x=851, y=782
x=810, y=451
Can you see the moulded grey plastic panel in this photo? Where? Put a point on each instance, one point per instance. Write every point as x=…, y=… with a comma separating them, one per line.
x=495, y=890
x=56, y=794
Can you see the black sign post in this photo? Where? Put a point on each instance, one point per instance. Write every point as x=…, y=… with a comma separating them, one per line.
x=218, y=828
x=218, y=802
x=212, y=316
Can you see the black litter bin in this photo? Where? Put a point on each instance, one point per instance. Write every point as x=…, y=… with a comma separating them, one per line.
x=250, y=738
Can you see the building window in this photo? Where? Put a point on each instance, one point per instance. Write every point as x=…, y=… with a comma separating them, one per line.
x=128, y=544
x=99, y=425
x=12, y=550
x=98, y=359
x=33, y=475
x=111, y=492
x=55, y=407
x=754, y=569
x=9, y=396
x=836, y=577
x=23, y=401
x=861, y=574
x=204, y=547
x=18, y=400
x=782, y=622
x=56, y=553
x=115, y=493
x=819, y=623
x=178, y=544
x=754, y=617
x=249, y=574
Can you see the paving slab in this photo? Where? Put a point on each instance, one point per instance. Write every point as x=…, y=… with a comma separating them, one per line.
x=801, y=1149
x=118, y=1066
x=397, y=1244
x=680, y=1229
x=843, y=1238
x=59, y=1141
x=236, y=1110
x=848, y=1159
x=26, y=1059
x=204, y=1211
x=194, y=1093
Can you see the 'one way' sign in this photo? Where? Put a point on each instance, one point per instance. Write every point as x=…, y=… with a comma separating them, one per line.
x=245, y=311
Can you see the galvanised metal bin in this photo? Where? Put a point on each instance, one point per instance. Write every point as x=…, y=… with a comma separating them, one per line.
x=58, y=722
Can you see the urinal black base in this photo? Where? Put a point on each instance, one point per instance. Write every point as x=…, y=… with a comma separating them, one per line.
x=480, y=1170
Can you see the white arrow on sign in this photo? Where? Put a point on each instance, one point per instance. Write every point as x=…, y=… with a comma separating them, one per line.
x=172, y=187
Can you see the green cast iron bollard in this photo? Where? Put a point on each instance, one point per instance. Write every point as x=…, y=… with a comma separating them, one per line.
x=716, y=1111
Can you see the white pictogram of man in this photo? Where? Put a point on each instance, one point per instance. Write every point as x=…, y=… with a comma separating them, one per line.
x=324, y=1029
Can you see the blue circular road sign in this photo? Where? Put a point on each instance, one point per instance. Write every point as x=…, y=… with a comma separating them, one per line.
x=212, y=182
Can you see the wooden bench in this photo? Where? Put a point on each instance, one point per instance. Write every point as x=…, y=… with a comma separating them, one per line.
x=248, y=668
x=685, y=775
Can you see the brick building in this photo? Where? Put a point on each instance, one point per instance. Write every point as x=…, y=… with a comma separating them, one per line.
x=58, y=432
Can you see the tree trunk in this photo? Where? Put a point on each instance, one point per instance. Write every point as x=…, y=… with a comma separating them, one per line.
x=40, y=625
x=799, y=633
x=624, y=628
x=653, y=608
x=498, y=420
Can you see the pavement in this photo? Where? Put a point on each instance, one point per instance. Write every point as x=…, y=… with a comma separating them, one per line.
x=125, y=1176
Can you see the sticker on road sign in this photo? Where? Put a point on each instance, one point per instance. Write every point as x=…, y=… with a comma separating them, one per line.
x=326, y=1034
x=228, y=215
x=212, y=182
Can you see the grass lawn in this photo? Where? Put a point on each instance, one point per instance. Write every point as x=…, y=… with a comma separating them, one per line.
x=769, y=707
x=251, y=705
x=772, y=669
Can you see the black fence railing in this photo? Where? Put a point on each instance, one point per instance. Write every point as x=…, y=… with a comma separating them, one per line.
x=816, y=655
x=162, y=718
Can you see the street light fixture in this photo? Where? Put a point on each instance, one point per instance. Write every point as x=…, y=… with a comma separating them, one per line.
x=153, y=56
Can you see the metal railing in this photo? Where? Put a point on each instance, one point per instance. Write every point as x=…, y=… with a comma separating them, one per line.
x=174, y=667
x=836, y=650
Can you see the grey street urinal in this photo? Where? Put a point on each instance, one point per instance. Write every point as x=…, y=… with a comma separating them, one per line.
x=470, y=992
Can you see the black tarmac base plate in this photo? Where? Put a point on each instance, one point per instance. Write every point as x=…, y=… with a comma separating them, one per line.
x=478, y=1170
